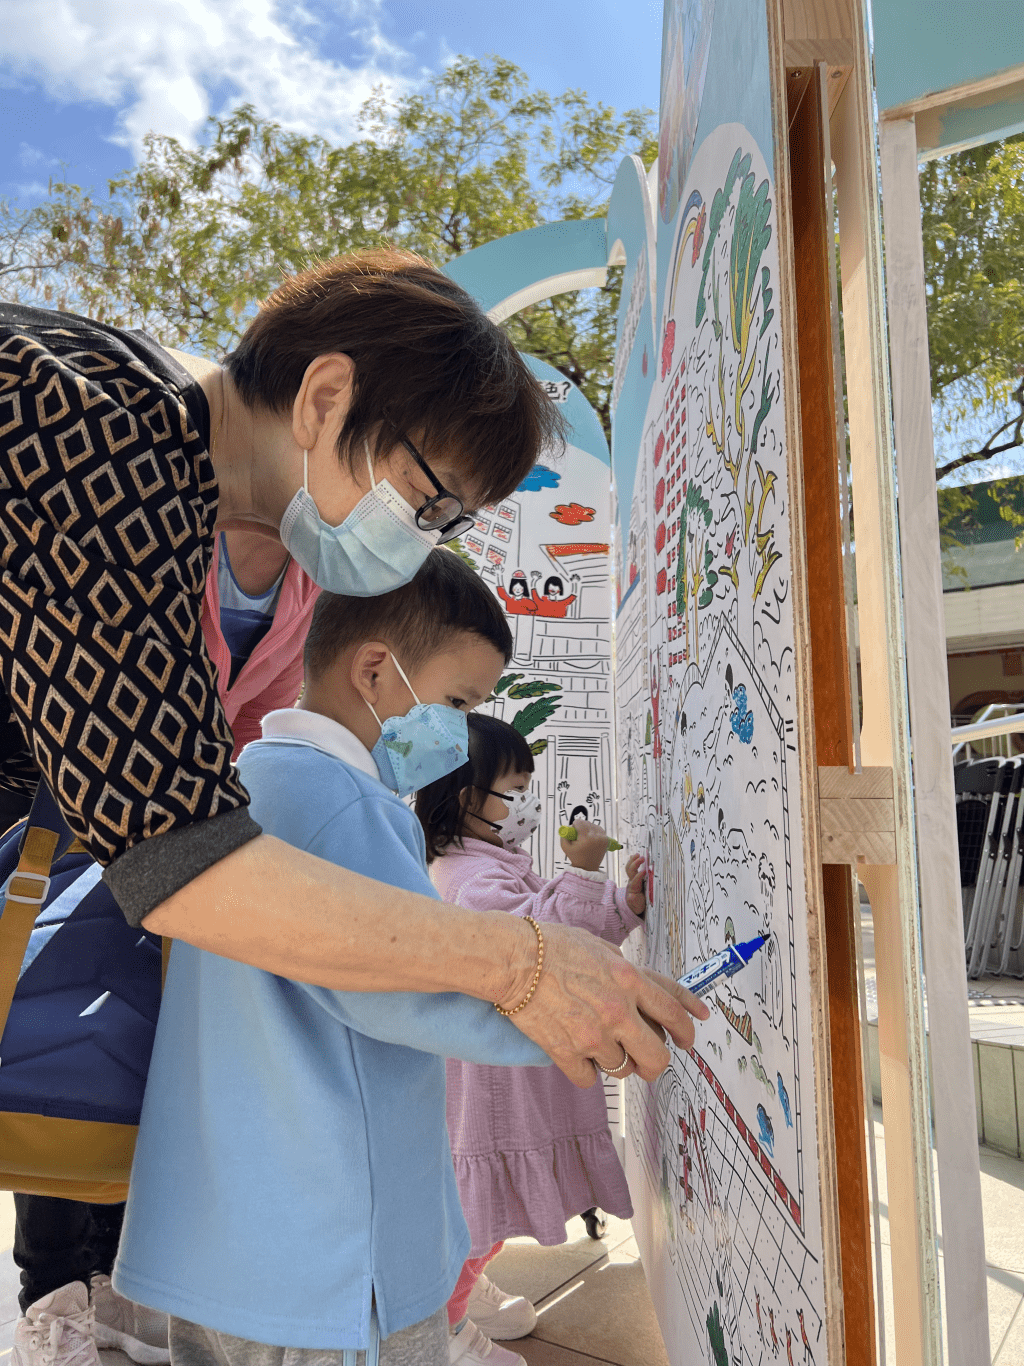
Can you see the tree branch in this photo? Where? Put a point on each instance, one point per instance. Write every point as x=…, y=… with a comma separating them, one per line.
x=988, y=450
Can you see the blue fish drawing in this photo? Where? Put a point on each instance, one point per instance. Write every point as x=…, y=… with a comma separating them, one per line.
x=784, y=1099
x=741, y=720
x=767, y=1134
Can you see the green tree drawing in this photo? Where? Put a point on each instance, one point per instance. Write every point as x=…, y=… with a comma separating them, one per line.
x=716, y=1336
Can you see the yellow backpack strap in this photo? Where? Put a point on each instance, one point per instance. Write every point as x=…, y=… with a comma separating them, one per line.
x=25, y=896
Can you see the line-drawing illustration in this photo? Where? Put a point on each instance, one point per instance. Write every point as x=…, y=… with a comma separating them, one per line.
x=724, y=1142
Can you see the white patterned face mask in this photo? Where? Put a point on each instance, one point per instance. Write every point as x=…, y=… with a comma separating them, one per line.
x=524, y=812
x=428, y=742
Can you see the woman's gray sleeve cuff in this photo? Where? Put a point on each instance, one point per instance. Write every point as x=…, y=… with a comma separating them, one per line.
x=153, y=870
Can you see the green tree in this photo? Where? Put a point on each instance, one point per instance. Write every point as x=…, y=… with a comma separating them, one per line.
x=187, y=243
x=972, y=219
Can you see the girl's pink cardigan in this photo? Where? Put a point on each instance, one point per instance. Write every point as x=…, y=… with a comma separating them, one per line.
x=530, y=1149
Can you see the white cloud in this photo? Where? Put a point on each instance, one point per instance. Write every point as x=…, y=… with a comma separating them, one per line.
x=166, y=64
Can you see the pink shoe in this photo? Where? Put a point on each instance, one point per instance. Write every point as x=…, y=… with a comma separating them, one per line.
x=57, y=1330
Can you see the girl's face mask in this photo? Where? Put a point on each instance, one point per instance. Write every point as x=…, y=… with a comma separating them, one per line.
x=524, y=813
x=376, y=549
x=428, y=742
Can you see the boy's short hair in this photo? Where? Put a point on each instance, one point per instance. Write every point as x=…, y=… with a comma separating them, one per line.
x=416, y=621
x=429, y=366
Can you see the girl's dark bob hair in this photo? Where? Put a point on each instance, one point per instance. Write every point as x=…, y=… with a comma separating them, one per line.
x=495, y=747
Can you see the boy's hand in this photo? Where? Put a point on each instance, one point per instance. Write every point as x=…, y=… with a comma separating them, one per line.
x=636, y=897
x=589, y=847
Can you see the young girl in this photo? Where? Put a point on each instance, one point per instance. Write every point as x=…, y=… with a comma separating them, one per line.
x=530, y=1149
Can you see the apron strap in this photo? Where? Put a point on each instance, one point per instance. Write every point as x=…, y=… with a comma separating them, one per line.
x=45, y=837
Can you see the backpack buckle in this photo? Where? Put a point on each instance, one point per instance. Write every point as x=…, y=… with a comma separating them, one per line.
x=26, y=894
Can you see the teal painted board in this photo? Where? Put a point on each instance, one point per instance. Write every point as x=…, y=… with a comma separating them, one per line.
x=966, y=126
x=925, y=46
x=505, y=267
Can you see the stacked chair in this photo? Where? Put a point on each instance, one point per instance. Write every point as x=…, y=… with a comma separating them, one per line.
x=990, y=828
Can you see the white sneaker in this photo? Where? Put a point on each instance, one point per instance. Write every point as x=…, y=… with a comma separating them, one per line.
x=120, y=1325
x=469, y=1347
x=57, y=1330
x=498, y=1315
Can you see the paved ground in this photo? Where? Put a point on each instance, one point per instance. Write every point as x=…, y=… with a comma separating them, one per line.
x=995, y=1004
x=592, y=1297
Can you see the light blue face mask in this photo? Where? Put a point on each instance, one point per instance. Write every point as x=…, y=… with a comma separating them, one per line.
x=377, y=548
x=425, y=744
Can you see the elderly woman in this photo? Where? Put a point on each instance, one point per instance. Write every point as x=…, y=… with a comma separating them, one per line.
x=368, y=409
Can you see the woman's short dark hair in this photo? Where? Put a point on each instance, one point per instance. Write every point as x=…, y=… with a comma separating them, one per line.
x=416, y=621
x=429, y=365
x=495, y=747
x=554, y=579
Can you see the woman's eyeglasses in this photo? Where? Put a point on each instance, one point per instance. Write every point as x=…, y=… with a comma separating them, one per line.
x=443, y=514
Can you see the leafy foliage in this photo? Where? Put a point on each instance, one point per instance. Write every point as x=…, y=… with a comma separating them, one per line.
x=502, y=683
x=534, y=714
x=716, y=1336
x=187, y=243
x=535, y=689
x=972, y=219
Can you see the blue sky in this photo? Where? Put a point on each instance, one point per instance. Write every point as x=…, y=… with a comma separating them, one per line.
x=82, y=81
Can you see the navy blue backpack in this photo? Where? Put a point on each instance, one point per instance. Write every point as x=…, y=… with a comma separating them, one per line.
x=79, y=998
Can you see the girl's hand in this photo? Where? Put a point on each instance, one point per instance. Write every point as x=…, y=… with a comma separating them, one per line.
x=636, y=897
x=589, y=847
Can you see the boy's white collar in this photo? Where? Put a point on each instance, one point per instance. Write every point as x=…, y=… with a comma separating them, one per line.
x=313, y=728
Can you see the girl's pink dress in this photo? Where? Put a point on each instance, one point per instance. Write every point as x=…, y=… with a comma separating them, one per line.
x=530, y=1149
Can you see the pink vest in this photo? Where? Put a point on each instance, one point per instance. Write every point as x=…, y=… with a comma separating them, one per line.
x=272, y=677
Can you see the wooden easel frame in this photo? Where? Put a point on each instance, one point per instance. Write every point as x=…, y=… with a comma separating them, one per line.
x=905, y=134
x=830, y=37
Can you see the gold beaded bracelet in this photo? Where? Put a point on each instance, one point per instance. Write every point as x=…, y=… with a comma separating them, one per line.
x=536, y=976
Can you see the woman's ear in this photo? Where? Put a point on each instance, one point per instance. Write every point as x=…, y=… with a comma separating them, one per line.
x=365, y=671
x=324, y=398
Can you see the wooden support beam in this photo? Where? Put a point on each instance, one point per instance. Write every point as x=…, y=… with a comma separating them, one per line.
x=817, y=339
x=885, y=736
x=966, y=1299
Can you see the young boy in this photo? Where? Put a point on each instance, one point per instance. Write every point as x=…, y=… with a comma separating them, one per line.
x=293, y=1183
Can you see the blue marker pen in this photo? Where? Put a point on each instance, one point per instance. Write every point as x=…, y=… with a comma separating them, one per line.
x=703, y=977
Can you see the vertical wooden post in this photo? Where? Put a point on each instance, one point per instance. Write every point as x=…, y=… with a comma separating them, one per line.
x=814, y=264
x=956, y=1136
x=885, y=733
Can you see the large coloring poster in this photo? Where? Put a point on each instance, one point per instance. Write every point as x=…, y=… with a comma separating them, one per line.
x=544, y=551
x=721, y=1151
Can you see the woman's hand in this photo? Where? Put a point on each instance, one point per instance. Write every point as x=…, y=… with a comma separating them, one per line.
x=590, y=1004
x=636, y=896
x=589, y=847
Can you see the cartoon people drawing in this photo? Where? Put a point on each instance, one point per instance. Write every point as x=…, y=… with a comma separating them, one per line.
x=655, y=701
x=552, y=603
x=517, y=600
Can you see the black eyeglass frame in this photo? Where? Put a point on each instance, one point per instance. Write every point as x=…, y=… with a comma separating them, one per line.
x=455, y=526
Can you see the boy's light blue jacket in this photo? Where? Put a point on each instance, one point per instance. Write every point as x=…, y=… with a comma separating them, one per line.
x=293, y=1157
